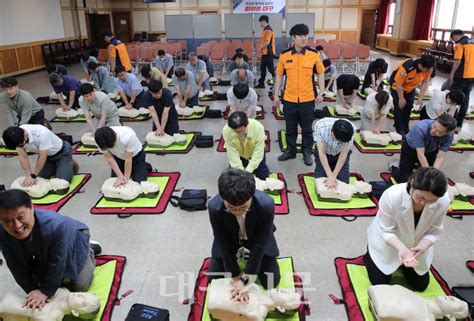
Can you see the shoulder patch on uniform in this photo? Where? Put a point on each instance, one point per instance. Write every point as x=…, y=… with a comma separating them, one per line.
x=409, y=65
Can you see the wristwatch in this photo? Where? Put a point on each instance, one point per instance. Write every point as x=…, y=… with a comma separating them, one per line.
x=33, y=175
x=245, y=280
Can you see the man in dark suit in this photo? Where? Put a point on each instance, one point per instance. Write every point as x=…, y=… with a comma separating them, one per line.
x=43, y=249
x=242, y=223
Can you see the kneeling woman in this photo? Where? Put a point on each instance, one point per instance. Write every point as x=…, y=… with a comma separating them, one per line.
x=408, y=223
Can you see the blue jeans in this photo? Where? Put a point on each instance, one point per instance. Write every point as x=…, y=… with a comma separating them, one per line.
x=193, y=101
x=343, y=175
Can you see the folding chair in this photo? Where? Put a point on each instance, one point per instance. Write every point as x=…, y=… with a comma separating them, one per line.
x=334, y=54
x=363, y=58
x=349, y=56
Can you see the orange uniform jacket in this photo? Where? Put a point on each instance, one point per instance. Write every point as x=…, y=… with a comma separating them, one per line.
x=300, y=69
x=267, y=35
x=464, y=51
x=118, y=51
x=408, y=75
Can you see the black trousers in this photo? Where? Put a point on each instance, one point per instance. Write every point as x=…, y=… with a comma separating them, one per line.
x=418, y=282
x=172, y=125
x=326, y=82
x=401, y=116
x=266, y=63
x=464, y=85
x=424, y=114
x=269, y=274
x=302, y=114
x=262, y=171
x=139, y=167
x=35, y=119
x=409, y=161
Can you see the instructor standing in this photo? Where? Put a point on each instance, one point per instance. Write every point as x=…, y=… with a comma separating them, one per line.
x=267, y=47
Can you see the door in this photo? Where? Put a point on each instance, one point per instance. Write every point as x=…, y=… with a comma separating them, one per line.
x=369, y=22
x=122, y=27
x=98, y=23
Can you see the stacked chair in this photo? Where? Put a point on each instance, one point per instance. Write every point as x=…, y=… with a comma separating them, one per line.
x=65, y=52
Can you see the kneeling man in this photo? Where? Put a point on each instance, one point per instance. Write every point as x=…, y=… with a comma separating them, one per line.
x=242, y=223
x=43, y=249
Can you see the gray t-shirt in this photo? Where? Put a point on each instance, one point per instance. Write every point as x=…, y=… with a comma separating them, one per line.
x=164, y=64
x=249, y=102
x=101, y=103
x=184, y=83
x=234, y=78
x=23, y=104
x=196, y=69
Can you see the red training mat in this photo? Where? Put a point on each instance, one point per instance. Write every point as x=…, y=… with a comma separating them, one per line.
x=284, y=208
x=353, y=310
x=103, y=259
x=387, y=176
x=160, y=207
x=200, y=289
x=76, y=151
x=221, y=148
x=56, y=206
x=470, y=265
x=274, y=112
x=337, y=212
x=260, y=115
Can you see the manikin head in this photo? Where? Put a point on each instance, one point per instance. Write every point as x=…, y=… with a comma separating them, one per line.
x=16, y=213
x=82, y=303
x=285, y=300
x=10, y=86
x=452, y=307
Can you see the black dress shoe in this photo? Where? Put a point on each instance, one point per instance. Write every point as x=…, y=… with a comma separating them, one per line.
x=286, y=156
x=307, y=158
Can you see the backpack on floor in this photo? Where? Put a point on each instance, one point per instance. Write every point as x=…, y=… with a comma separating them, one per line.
x=213, y=113
x=191, y=200
x=204, y=141
x=141, y=312
x=378, y=187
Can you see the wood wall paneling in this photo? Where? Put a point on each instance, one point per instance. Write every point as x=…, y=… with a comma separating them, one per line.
x=348, y=36
x=38, y=56
x=24, y=57
x=9, y=63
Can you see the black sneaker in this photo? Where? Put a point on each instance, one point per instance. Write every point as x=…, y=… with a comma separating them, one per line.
x=286, y=156
x=96, y=247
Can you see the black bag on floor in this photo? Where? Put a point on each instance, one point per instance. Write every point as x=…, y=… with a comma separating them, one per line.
x=213, y=113
x=191, y=200
x=466, y=293
x=141, y=312
x=320, y=113
x=204, y=141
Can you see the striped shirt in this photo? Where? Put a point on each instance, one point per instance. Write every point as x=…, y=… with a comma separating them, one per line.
x=322, y=133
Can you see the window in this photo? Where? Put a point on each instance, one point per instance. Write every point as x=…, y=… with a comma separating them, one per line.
x=464, y=19
x=391, y=18
x=452, y=14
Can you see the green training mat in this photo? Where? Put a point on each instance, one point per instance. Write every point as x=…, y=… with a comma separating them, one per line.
x=276, y=197
x=360, y=283
x=143, y=202
x=352, y=204
x=390, y=146
x=78, y=119
x=332, y=112
x=173, y=147
x=54, y=198
x=286, y=282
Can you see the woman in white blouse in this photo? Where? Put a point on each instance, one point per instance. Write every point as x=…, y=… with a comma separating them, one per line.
x=375, y=111
x=442, y=102
x=408, y=223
